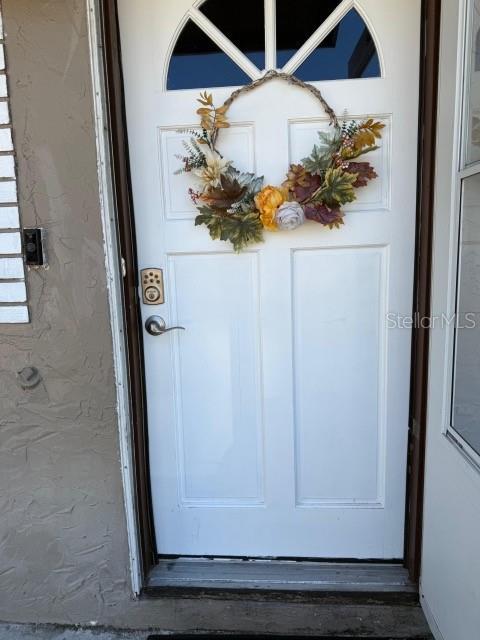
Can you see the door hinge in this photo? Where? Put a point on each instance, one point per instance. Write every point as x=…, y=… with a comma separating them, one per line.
x=414, y=428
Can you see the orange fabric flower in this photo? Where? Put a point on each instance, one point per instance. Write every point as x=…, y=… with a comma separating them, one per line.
x=268, y=200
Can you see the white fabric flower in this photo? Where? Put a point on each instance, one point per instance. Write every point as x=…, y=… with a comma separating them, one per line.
x=216, y=167
x=289, y=216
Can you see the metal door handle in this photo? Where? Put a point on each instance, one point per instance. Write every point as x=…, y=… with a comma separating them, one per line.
x=156, y=326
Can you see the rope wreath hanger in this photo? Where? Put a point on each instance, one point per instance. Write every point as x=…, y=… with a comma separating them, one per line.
x=290, y=79
x=235, y=206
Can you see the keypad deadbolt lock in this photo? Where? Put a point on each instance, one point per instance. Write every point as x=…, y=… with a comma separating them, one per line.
x=152, y=286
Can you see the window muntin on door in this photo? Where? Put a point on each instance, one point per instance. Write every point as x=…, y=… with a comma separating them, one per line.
x=323, y=41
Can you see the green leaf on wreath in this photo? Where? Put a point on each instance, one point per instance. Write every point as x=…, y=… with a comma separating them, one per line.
x=212, y=220
x=337, y=187
x=252, y=185
x=239, y=229
x=321, y=157
x=243, y=230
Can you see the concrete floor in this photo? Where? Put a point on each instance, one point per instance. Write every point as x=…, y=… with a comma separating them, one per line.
x=418, y=631
x=46, y=632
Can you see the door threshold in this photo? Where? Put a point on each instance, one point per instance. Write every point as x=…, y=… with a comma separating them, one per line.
x=214, y=576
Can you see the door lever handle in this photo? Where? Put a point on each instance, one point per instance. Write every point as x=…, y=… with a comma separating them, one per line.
x=156, y=326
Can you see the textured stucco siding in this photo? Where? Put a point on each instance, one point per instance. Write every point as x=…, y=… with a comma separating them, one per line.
x=63, y=548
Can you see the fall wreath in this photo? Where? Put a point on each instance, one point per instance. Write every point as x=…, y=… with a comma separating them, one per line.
x=237, y=207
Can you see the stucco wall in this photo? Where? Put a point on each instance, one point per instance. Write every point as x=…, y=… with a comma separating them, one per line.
x=63, y=549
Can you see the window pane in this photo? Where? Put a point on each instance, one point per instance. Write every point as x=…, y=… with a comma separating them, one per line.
x=466, y=392
x=245, y=27
x=348, y=52
x=473, y=87
x=297, y=21
x=197, y=63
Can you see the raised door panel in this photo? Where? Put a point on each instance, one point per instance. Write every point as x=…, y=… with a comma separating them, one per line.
x=339, y=347
x=218, y=417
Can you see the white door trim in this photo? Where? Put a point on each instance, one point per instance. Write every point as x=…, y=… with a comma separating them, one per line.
x=113, y=270
x=113, y=266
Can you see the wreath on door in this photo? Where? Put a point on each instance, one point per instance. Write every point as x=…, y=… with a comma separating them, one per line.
x=236, y=207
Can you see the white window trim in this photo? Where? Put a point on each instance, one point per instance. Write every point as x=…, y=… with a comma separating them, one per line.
x=461, y=172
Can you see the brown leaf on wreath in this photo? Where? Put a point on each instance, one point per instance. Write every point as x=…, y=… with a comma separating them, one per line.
x=365, y=172
x=319, y=212
x=296, y=175
x=301, y=183
x=368, y=133
x=206, y=123
x=224, y=196
x=205, y=98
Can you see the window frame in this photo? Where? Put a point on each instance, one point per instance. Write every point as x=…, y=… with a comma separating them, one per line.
x=239, y=58
x=463, y=171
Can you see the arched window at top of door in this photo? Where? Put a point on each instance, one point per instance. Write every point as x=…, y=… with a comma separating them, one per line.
x=315, y=40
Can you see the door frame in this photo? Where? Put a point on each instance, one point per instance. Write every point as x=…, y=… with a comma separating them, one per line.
x=122, y=190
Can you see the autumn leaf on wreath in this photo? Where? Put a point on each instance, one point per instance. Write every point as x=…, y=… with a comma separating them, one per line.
x=337, y=188
x=303, y=193
x=241, y=230
x=228, y=193
x=206, y=115
x=319, y=212
x=205, y=99
x=220, y=121
x=212, y=220
x=252, y=184
x=211, y=116
x=368, y=133
x=297, y=174
x=365, y=139
x=322, y=154
x=301, y=183
x=365, y=172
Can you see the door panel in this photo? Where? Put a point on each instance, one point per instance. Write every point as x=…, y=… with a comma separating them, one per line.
x=334, y=325
x=237, y=142
x=217, y=377
x=278, y=419
x=376, y=195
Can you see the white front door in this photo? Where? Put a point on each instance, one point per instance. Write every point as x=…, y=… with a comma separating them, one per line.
x=278, y=419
